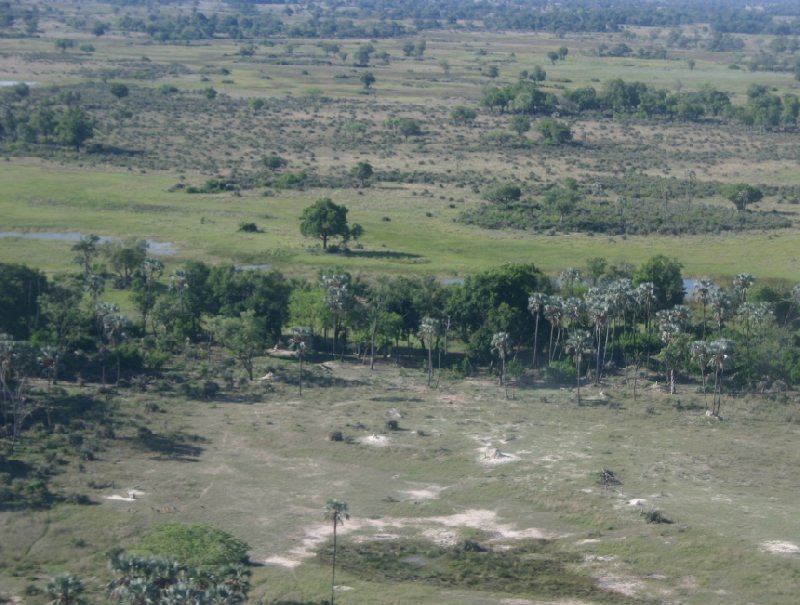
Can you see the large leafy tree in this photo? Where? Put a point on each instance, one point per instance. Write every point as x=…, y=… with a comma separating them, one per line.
x=323, y=220
x=74, y=127
x=665, y=275
x=20, y=287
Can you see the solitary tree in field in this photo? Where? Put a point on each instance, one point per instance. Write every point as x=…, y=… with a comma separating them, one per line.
x=742, y=195
x=363, y=172
x=367, y=79
x=323, y=220
x=336, y=514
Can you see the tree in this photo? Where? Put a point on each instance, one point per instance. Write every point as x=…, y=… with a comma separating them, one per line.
x=242, y=336
x=718, y=351
x=367, y=79
x=493, y=71
x=274, y=162
x=742, y=195
x=428, y=332
x=119, y=90
x=63, y=44
x=701, y=356
x=362, y=171
x=520, y=124
x=335, y=513
x=553, y=56
x=74, y=127
x=323, y=220
x=87, y=250
x=20, y=287
x=301, y=337
x=579, y=343
x=462, y=115
x=502, y=193
x=536, y=303
x=665, y=275
x=501, y=344
x=65, y=589
x=554, y=132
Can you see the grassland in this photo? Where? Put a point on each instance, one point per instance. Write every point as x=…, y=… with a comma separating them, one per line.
x=258, y=463
x=318, y=117
x=261, y=465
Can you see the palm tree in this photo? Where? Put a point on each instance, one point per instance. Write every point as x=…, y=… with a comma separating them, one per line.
x=535, y=303
x=742, y=283
x=335, y=513
x=720, y=307
x=65, y=589
x=428, y=330
x=300, y=337
x=501, y=344
x=700, y=355
x=703, y=291
x=719, y=352
x=554, y=312
x=579, y=343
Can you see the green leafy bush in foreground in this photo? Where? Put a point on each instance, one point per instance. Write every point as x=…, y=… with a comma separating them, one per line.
x=195, y=544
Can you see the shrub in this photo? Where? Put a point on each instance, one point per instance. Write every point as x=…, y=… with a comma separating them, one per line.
x=560, y=372
x=195, y=544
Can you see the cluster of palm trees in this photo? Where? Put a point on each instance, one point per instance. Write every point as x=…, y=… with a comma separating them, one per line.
x=619, y=314
x=163, y=581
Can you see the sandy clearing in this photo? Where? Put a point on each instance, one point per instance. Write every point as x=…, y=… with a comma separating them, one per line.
x=430, y=492
x=780, y=548
x=375, y=440
x=441, y=529
x=130, y=495
x=492, y=455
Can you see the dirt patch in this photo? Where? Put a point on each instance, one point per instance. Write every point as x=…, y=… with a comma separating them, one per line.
x=780, y=548
x=492, y=455
x=130, y=495
x=375, y=440
x=441, y=530
x=430, y=492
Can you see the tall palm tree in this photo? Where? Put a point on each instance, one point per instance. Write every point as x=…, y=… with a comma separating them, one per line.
x=554, y=312
x=703, y=290
x=719, y=351
x=579, y=343
x=300, y=337
x=501, y=344
x=335, y=513
x=428, y=331
x=535, y=303
x=700, y=355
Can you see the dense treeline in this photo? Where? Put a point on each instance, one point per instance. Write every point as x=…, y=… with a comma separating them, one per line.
x=618, y=97
x=381, y=19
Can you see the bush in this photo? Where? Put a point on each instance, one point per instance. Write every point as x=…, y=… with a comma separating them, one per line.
x=560, y=372
x=195, y=544
x=248, y=227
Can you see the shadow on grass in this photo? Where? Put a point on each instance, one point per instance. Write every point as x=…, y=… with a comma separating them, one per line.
x=171, y=446
x=383, y=254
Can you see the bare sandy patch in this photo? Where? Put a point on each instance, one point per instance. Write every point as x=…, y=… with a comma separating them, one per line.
x=626, y=586
x=442, y=530
x=430, y=492
x=375, y=440
x=492, y=455
x=130, y=495
x=779, y=547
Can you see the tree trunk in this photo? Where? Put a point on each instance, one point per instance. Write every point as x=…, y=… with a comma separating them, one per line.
x=333, y=567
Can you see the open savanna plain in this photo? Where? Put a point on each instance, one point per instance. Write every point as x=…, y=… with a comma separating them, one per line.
x=457, y=493
x=521, y=477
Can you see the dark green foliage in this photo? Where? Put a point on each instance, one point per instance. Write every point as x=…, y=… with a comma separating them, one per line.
x=74, y=127
x=665, y=274
x=20, y=287
x=248, y=228
x=324, y=220
x=119, y=90
x=534, y=568
x=502, y=193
